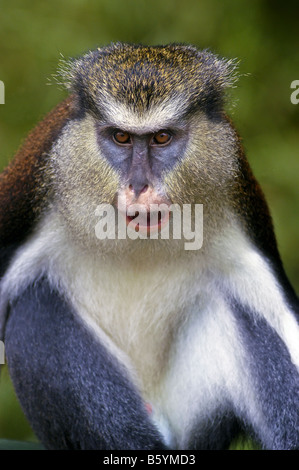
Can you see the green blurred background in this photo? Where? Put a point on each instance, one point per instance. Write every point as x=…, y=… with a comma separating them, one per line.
x=263, y=34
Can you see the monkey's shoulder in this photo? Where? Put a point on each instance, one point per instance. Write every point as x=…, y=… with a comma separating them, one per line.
x=23, y=185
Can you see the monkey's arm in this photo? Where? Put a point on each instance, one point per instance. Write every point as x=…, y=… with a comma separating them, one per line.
x=271, y=404
x=77, y=395
x=266, y=311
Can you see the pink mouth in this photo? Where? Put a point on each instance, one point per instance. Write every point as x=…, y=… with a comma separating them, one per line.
x=144, y=223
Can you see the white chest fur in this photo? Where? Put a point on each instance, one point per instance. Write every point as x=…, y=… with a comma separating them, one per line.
x=163, y=315
x=139, y=304
x=135, y=303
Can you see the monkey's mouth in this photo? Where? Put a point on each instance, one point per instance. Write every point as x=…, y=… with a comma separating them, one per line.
x=147, y=221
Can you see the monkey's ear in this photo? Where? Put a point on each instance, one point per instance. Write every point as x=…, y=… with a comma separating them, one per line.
x=225, y=72
x=218, y=76
x=71, y=75
x=23, y=185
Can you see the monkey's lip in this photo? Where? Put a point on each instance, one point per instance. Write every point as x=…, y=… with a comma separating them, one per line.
x=147, y=222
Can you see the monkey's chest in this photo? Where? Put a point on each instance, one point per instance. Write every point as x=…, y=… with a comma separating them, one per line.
x=139, y=309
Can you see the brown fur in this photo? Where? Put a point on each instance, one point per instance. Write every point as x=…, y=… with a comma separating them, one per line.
x=22, y=183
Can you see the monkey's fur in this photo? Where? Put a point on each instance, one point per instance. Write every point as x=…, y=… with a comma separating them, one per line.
x=94, y=329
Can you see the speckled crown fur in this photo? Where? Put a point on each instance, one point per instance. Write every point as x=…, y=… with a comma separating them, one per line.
x=143, y=76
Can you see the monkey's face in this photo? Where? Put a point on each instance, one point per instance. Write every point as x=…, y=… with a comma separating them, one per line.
x=141, y=160
x=94, y=163
x=150, y=131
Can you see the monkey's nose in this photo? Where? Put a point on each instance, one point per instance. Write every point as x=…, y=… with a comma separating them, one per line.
x=138, y=188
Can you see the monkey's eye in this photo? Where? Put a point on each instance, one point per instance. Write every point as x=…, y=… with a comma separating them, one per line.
x=161, y=138
x=121, y=137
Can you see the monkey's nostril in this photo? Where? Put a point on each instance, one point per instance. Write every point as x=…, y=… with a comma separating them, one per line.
x=144, y=189
x=138, y=188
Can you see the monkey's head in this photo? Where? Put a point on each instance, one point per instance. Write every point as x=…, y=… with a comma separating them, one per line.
x=149, y=129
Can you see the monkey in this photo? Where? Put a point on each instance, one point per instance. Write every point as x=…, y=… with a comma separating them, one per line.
x=137, y=342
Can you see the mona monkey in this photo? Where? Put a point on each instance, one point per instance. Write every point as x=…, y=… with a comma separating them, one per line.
x=139, y=343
